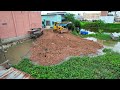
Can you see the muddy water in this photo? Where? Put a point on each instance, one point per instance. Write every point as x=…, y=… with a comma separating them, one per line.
x=114, y=45
x=15, y=53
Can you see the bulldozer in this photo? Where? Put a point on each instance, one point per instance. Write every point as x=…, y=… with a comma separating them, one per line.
x=60, y=28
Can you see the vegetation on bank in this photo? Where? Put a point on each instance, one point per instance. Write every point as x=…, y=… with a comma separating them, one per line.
x=100, y=67
x=91, y=26
x=98, y=36
x=106, y=27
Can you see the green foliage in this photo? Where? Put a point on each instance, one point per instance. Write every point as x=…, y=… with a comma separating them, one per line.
x=106, y=27
x=74, y=32
x=98, y=36
x=71, y=26
x=100, y=31
x=107, y=50
x=70, y=17
x=100, y=67
x=77, y=23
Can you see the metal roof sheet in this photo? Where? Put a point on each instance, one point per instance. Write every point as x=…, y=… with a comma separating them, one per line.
x=13, y=73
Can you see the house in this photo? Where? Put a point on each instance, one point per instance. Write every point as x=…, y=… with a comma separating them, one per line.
x=49, y=19
x=79, y=17
x=107, y=17
x=14, y=25
x=91, y=16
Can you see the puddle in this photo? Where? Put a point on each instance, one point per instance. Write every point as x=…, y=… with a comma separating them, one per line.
x=114, y=45
x=15, y=53
x=91, y=38
x=116, y=48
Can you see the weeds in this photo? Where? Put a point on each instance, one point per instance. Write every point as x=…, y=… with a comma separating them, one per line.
x=100, y=67
x=98, y=36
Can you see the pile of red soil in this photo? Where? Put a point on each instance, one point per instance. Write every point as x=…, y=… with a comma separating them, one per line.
x=52, y=48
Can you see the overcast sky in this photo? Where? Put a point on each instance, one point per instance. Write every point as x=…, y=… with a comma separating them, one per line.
x=74, y=12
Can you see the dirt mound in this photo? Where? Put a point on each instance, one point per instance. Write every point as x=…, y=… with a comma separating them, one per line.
x=52, y=48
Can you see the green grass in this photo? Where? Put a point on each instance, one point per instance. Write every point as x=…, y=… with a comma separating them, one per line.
x=107, y=27
x=106, y=66
x=98, y=36
x=75, y=33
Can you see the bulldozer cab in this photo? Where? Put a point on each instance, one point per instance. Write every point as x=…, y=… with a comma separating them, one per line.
x=57, y=26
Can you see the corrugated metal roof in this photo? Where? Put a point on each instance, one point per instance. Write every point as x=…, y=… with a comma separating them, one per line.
x=13, y=73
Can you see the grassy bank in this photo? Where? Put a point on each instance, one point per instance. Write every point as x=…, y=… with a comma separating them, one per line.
x=98, y=36
x=106, y=27
x=100, y=67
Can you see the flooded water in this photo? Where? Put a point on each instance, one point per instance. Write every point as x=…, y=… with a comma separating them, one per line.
x=110, y=44
x=15, y=53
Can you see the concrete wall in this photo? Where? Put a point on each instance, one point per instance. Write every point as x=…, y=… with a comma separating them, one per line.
x=107, y=19
x=15, y=24
x=52, y=18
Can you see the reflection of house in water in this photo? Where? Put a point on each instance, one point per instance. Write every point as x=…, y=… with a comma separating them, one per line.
x=49, y=19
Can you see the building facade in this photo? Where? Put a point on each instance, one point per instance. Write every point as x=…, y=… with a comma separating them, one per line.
x=91, y=16
x=49, y=19
x=107, y=17
x=14, y=25
x=79, y=17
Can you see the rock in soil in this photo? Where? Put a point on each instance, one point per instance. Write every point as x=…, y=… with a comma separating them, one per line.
x=52, y=48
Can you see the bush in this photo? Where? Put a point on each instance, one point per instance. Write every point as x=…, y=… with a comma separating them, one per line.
x=74, y=32
x=98, y=36
x=106, y=27
x=77, y=23
x=71, y=26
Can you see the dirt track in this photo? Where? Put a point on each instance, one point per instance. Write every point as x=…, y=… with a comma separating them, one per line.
x=52, y=48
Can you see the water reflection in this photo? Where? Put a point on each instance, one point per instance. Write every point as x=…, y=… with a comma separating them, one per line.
x=114, y=45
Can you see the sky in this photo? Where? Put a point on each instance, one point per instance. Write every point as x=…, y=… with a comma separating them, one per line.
x=74, y=12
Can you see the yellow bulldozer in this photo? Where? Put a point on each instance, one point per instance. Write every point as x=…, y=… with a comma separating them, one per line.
x=60, y=27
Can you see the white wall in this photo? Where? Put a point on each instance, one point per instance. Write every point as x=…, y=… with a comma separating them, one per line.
x=107, y=19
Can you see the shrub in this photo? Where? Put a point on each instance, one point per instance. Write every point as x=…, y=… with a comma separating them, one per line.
x=106, y=27
x=77, y=23
x=74, y=32
x=71, y=26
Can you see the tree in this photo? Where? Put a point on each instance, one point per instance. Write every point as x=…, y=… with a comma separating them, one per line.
x=70, y=17
x=77, y=25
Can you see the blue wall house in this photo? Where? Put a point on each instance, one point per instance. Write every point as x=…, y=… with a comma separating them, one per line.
x=50, y=18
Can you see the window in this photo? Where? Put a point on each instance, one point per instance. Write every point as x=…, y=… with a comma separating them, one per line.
x=47, y=23
x=53, y=22
x=42, y=22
